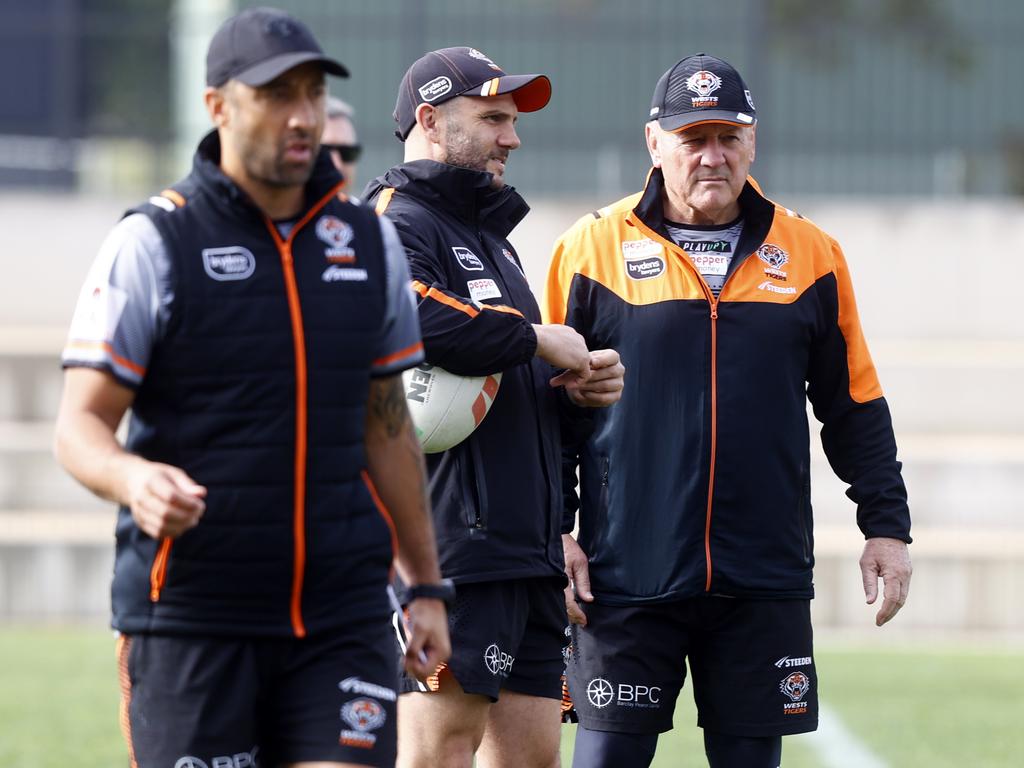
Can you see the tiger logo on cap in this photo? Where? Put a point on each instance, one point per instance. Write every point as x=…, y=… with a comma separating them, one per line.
x=704, y=83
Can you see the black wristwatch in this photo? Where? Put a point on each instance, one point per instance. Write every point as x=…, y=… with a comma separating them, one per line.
x=443, y=590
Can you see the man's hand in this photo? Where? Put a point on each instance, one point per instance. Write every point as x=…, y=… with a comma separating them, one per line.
x=578, y=571
x=604, y=387
x=429, y=646
x=563, y=348
x=163, y=499
x=890, y=560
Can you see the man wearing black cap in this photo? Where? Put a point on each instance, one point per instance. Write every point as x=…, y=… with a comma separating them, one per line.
x=695, y=537
x=256, y=323
x=496, y=497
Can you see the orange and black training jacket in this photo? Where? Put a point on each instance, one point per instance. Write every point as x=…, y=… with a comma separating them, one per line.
x=697, y=480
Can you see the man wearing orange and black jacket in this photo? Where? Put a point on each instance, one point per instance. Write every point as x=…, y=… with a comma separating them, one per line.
x=695, y=530
x=496, y=497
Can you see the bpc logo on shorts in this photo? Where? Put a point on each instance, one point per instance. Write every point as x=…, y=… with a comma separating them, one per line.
x=600, y=693
x=497, y=661
x=237, y=760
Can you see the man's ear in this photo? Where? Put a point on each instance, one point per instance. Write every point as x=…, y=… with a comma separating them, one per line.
x=653, y=138
x=428, y=118
x=216, y=105
x=753, y=142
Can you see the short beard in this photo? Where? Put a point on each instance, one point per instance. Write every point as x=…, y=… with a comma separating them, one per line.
x=459, y=150
x=266, y=165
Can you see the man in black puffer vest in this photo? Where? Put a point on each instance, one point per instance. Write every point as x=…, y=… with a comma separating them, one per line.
x=497, y=496
x=256, y=322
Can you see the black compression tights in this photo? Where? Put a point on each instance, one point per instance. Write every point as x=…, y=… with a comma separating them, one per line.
x=726, y=751
x=605, y=749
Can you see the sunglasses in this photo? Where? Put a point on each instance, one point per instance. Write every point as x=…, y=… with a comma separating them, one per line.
x=349, y=152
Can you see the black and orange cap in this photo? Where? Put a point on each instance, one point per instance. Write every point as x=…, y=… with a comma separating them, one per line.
x=260, y=44
x=461, y=71
x=701, y=89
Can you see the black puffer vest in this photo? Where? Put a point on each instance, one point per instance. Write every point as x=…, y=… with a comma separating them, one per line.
x=258, y=391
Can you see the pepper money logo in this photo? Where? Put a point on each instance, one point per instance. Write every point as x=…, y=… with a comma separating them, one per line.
x=600, y=692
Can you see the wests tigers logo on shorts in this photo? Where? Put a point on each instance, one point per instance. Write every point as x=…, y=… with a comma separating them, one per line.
x=796, y=686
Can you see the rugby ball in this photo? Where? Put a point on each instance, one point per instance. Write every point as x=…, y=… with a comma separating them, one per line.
x=446, y=408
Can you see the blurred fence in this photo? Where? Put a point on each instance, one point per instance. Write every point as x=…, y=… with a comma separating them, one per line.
x=865, y=97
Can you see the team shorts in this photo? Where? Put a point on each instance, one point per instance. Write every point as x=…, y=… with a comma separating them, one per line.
x=751, y=662
x=251, y=703
x=506, y=635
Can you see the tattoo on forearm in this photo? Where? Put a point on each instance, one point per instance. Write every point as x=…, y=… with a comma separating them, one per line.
x=389, y=406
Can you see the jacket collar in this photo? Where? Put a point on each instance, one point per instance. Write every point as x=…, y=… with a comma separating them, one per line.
x=464, y=193
x=757, y=211
x=206, y=169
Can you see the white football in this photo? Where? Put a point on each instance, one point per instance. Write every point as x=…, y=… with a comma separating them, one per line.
x=446, y=408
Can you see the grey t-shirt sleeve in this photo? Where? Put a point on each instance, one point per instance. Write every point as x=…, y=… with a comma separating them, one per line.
x=124, y=305
x=401, y=346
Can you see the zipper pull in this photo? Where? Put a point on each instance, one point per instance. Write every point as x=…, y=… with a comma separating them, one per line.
x=714, y=309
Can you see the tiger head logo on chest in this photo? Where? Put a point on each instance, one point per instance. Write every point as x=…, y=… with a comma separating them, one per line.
x=338, y=235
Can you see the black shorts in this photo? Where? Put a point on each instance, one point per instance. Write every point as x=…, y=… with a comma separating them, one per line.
x=507, y=634
x=751, y=662
x=260, y=702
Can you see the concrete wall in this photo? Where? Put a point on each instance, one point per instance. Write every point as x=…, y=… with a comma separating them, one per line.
x=937, y=286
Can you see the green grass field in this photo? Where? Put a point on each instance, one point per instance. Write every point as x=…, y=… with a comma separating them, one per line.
x=933, y=706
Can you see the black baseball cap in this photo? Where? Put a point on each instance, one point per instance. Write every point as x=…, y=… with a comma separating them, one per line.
x=260, y=44
x=449, y=72
x=701, y=89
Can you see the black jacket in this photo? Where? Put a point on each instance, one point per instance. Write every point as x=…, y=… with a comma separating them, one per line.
x=497, y=495
x=698, y=480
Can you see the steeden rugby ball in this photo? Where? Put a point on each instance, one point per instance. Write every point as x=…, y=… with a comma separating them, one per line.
x=445, y=407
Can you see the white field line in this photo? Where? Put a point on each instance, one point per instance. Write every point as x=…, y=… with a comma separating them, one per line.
x=836, y=746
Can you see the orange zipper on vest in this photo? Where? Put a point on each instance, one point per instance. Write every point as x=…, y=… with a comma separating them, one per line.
x=284, y=248
x=158, y=573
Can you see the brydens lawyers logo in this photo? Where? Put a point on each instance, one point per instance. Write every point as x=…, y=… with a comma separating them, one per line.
x=643, y=258
x=435, y=89
x=337, y=234
x=232, y=262
x=704, y=83
x=467, y=259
